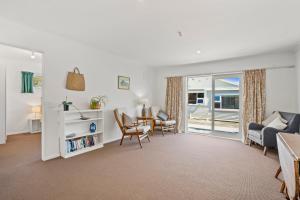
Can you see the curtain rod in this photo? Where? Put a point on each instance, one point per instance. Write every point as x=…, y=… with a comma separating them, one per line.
x=235, y=72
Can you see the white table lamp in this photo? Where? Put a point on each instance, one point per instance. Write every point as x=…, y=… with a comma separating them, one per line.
x=35, y=110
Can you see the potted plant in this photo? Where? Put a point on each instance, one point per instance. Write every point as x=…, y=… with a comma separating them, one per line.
x=97, y=101
x=66, y=104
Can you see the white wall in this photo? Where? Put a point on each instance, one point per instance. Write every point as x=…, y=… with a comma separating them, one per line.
x=100, y=69
x=281, y=90
x=281, y=83
x=298, y=75
x=2, y=105
x=18, y=105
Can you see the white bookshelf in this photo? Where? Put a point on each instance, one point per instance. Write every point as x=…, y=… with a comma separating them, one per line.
x=70, y=122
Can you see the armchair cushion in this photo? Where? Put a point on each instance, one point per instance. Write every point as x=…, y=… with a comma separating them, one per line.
x=139, y=129
x=162, y=115
x=165, y=123
x=127, y=121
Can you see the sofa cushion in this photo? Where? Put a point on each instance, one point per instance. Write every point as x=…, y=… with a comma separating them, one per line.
x=272, y=117
x=277, y=124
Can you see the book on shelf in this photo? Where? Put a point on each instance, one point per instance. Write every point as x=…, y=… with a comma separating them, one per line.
x=80, y=143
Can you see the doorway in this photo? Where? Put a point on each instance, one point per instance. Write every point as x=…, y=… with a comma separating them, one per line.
x=213, y=105
x=21, y=86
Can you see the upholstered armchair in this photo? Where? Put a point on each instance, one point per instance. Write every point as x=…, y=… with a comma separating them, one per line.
x=266, y=136
x=161, y=121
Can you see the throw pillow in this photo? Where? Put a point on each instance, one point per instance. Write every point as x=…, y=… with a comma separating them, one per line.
x=272, y=117
x=162, y=115
x=277, y=124
x=128, y=122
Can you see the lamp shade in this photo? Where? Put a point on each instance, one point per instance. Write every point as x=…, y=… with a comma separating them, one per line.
x=143, y=101
x=36, y=109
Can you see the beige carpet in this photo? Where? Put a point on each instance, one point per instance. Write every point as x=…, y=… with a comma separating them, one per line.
x=172, y=167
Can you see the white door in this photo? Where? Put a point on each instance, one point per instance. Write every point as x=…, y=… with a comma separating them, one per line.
x=2, y=105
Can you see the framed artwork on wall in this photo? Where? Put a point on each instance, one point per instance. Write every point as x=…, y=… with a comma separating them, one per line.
x=123, y=82
x=37, y=81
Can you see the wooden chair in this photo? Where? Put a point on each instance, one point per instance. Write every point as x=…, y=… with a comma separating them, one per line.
x=163, y=126
x=140, y=131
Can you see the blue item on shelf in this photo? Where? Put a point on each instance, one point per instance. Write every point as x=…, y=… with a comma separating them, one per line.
x=93, y=127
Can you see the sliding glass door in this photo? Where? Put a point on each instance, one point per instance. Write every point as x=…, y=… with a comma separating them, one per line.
x=213, y=105
x=199, y=107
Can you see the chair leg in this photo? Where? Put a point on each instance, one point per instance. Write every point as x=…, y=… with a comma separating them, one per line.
x=122, y=140
x=148, y=137
x=278, y=172
x=282, y=187
x=265, y=151
x=139, y=141
x=162, y=130
x=250, y=143
x=130, y=137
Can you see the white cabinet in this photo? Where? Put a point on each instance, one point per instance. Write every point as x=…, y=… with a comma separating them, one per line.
x=35, y=125
x=75, y=135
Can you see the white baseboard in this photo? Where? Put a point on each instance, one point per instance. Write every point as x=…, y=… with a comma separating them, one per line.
x=112, y=140
x=16, y=133
x=51, y=157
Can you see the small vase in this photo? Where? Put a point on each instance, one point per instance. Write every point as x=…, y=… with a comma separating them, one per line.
x=93, y=127
x=66, y=107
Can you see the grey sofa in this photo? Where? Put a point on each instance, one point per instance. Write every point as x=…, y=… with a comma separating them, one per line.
x=266, y=136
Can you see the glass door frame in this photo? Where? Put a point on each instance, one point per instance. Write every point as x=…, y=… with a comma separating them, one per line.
x=213, y=79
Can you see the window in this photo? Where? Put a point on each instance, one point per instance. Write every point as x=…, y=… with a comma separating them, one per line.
x=230, y=102
x=196, y=98
x=192, y=98
x=201, y=95
x=218, y=98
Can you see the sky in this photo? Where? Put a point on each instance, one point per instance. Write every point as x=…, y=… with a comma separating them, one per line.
x=234, y=80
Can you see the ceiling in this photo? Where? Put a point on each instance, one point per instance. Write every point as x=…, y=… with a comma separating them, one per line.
x=147, y=30
x=13, y=53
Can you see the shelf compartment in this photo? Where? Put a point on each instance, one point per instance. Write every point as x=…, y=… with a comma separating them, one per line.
x=80, y=120
x=79, y=135
x=84, y=150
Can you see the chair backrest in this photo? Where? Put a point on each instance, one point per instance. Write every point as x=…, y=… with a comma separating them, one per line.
x=119, y=119
x=293, y=121
x=154, y=110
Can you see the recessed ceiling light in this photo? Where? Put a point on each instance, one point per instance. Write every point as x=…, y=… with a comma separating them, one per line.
x=179, y=33
x=141, y=1
x=32, y=56
x=198, y=51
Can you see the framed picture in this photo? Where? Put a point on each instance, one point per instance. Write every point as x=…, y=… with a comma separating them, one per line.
x=37, y=81
x=123, y=82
